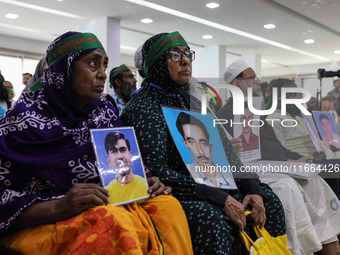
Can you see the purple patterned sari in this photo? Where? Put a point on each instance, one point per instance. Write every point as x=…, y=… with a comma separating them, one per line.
x=45, y=143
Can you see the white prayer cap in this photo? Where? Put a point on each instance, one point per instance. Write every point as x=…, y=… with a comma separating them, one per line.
x=234, y=70
x=138, y=58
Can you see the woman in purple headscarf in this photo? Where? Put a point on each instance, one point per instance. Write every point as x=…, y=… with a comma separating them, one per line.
x=51, y=198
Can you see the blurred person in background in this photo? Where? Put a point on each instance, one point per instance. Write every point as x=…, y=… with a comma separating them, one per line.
x=25, y=78
x=4, y=103
x=9, y=86
x=335, y=94
x=312, y=104
x=2, y=80
x=123, y=81
x=39, y=70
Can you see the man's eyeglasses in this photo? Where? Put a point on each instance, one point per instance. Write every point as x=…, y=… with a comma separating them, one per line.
x=255, y=79
x=177, y=56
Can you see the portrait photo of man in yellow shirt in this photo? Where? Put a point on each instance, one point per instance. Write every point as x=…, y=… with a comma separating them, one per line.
x=122, y=174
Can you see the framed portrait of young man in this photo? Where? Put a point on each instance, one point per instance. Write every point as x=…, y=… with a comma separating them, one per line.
x=121, y=169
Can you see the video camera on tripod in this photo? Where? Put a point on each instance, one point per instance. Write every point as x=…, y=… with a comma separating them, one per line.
x=322, y=73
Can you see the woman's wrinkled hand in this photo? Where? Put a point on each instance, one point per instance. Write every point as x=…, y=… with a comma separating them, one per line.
x=235, y=211
x=81, y=197
x=237, y=145
x=156, y=187
x=258, y=212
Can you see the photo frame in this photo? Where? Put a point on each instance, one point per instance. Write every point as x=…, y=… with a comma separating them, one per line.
x=314, y=135
x=249, y=131
x=326, y=126
x=204, y=156
x=121, y=168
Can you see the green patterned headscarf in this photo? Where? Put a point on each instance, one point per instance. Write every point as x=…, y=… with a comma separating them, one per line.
x=163, y=44
x=116, y=71
x=68, y=44
x=72, y=44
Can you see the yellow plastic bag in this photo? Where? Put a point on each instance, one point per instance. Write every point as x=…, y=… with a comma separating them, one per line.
x=265, y=244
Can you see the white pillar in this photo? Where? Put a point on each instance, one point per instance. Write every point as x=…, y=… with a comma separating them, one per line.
x=113, y=42
x=108, y=32
x=210, y=62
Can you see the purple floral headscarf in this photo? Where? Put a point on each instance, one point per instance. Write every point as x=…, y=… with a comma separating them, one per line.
x=45, y=142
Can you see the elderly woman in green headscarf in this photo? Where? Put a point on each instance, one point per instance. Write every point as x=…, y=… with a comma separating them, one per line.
x=52, y=200
x=212, y=213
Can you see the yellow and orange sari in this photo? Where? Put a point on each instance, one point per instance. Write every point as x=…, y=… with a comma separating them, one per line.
x=153, y=226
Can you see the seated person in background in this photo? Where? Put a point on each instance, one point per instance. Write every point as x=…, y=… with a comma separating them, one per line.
x=312, y=104
x=241, y=75
x=4, y=94
x=39, y=70
x=334, y=94
x=213, y=214
x=327, y=106
x=56, y=205
x=304, y=222
x=123, y=81
x=25, y=78
x=126, y=186
x=11, y=94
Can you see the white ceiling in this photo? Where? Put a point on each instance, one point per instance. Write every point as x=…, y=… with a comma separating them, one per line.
x=295, y=20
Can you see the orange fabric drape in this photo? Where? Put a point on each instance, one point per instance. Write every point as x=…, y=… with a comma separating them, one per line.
x=128, y=229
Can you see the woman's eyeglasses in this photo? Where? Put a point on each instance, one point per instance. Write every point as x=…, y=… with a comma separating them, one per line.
x=177, y=56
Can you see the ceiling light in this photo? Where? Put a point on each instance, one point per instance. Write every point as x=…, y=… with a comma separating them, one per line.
x=269, y=26
x=11, y=16
x=146, y=21
x=309, y=41
x=207, y=37
x=212, y=5
x=337, y=52
x=221, y=27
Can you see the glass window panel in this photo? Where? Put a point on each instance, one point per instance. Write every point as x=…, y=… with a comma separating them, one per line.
x=12, y=69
